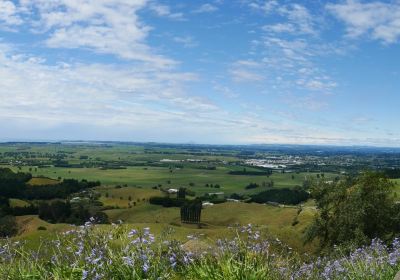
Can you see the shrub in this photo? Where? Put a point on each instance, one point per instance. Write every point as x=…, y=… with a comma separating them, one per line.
x=251, y=186
x=284, y=196
x=167, y=201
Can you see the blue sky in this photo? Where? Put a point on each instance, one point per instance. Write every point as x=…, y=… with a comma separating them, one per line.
x=217, y=71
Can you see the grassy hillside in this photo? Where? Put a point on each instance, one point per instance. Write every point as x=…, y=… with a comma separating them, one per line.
x=215, y=219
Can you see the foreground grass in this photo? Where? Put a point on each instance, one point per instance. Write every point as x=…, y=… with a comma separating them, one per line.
x=122, y=253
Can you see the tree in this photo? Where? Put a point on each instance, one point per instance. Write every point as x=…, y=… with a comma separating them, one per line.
x=55, y=212
x=191, y=212
x=354, y=211
x=283, y=196
x=13, y=184
x=4, y=206
x=8, y=226
x=181, y=193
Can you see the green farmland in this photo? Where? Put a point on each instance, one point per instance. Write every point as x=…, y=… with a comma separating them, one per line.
x=148, y=177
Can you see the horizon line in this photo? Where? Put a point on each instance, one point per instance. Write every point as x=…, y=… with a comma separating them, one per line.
x=64, y=141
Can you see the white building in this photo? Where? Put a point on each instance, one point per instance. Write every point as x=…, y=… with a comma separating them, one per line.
x=206, y=204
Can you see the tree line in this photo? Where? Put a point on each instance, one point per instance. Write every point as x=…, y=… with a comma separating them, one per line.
x=283, y=196
x=65, y=212
x=15, y=185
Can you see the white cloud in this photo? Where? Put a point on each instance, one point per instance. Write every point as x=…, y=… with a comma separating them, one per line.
x=108, y=27
x=246, y=71
x=114, y=102
x=140, y=95
x=290, y=46
x=297, y=20
x=299, y=16
x=317, y=84
x=289, y=51
x=93, y=94
x=377, y=20
x=9, y=13
x=293, y=60
x=206, y=8
x=224, y=90
x=264, y=6
x=243, y=75
x=280, y=28
x=186, y=41
x=95, y=101
x=110, y=98
x=165, y=11
x=248, y=63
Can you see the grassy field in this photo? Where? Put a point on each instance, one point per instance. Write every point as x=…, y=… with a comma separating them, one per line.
x=18, y=203
x=40, y=181
x=148, y=177
x=124, y=197
x=116, y=152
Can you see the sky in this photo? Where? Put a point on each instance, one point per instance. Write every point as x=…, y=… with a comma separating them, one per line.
x=216, y=71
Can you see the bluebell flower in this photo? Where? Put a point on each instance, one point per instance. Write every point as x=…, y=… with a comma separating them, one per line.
x=145, y=267
x=84, y=274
